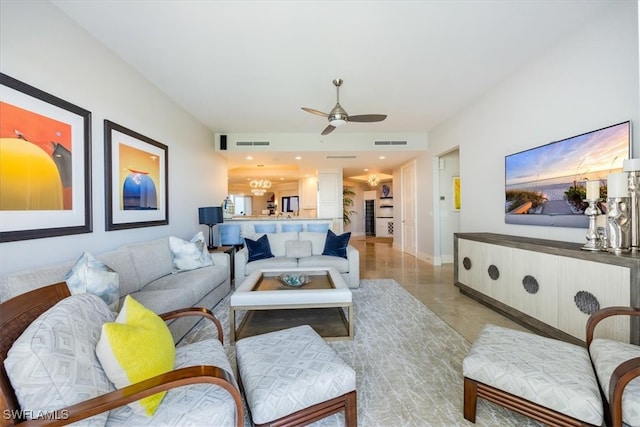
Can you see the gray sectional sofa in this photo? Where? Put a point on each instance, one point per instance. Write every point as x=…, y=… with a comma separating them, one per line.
x=145, y=272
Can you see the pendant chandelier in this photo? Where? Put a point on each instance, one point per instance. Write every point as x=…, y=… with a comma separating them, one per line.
x=373, y=180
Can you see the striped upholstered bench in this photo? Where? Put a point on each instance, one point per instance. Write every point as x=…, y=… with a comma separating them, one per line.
x=293, y=377
x=548, y=380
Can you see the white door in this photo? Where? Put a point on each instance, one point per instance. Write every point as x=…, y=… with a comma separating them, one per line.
x=408, y=210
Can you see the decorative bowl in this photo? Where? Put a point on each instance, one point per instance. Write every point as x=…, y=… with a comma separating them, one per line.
x=294, y=280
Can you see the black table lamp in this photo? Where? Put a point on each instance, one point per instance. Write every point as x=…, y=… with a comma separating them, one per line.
x=210, y=216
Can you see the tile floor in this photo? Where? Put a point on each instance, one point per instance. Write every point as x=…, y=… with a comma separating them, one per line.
x=432, y=285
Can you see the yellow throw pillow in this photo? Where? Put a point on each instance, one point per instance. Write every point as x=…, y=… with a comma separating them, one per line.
x=137, y=346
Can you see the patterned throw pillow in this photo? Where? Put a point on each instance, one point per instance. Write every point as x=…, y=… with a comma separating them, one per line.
x=53, y=364
x=189, y=255
x=258, y=249
x=88, y=275
x=137, y=346
x=336, y=245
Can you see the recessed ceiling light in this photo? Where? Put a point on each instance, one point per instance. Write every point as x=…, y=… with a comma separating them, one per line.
x=366, y=169
x=281, y=179
x=382, y=157
x=249, y=158
x=298, y=157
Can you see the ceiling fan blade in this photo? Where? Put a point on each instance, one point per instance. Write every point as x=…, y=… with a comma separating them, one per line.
x=328, y=130
x=316, y=112
x=368, y=118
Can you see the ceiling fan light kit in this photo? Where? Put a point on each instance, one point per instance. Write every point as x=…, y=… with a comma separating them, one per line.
x=338, y=116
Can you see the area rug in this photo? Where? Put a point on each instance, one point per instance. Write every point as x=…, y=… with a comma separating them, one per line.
x=408, y=362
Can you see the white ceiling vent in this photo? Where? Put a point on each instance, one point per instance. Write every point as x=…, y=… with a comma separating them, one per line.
x=252, y=143
x=342, y=157
x=390, y=142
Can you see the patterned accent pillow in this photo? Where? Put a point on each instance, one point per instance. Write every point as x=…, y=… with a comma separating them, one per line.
x=137, y=346
x=336, y=245
x=53, y=363
x=189, y=255
x=298, y=248
x=258, y=249
x=88, y=275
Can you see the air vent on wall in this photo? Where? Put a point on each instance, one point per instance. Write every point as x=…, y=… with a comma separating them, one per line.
x=390, y=142
x=341, y=157
x=251, y=143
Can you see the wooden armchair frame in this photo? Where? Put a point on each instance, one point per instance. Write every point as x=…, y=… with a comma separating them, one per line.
x=625, y=372
x=18, y=313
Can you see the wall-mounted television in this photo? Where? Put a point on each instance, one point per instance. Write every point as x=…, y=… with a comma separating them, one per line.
x=546, y=185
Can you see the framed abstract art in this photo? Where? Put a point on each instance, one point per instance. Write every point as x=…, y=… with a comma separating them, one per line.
x=136, y=167
x=45, y=164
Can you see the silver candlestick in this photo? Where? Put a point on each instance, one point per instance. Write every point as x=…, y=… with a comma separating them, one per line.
x=593, y=238
x=618, y=224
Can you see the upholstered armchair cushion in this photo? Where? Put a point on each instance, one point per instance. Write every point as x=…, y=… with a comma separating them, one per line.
x=289, y=370
x=607, y=355
x=53, y=363
x=548, y=372
x=196, y=404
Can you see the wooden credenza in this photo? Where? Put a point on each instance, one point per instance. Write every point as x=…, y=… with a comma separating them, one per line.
x=549, y=286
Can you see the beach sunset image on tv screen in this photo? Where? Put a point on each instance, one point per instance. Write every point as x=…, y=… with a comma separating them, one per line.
x=546, y=185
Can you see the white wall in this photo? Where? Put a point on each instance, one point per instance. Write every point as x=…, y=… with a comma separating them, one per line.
x=40, y=46
x=588, y=81
x=448, y=167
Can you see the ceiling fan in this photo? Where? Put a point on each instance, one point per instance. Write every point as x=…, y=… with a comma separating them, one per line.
x=338, y=116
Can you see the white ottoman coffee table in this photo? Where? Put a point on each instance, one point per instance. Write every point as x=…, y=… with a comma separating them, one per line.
x=293, y=377
x=261, y=290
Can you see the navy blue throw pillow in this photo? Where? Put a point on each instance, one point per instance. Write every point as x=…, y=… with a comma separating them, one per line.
x=258, y=249
x=336, y=245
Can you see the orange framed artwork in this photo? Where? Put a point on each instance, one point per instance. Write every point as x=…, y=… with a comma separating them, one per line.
x=45, y=164
x=136, y=168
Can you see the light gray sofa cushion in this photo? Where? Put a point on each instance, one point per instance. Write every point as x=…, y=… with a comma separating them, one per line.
x=152, y=260
x=25, y=281
x=121, y=262
x=199, y=282
x=164, y=301
x=339, y=263
x=280, y=262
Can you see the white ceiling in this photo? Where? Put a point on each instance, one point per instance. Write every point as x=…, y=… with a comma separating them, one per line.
x=249, y=66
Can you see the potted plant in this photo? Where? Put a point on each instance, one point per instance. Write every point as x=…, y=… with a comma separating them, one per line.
x=347, y=202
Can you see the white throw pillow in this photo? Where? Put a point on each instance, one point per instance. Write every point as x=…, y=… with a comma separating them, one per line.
x=298, y=248
x=53, y=363
x=189, y=255
x=88, y=275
